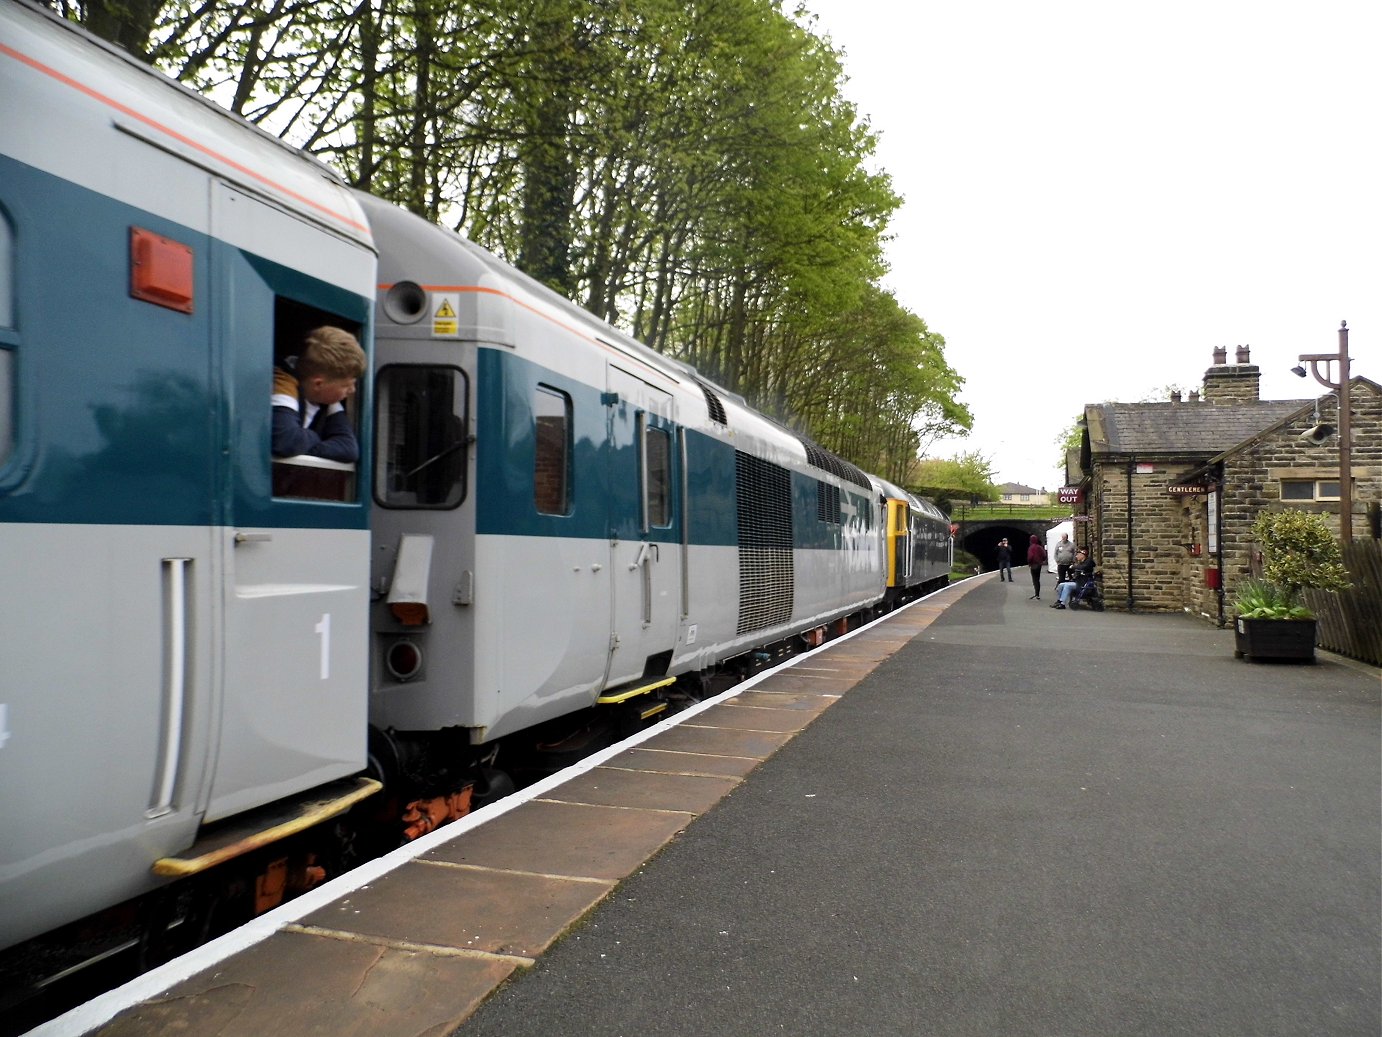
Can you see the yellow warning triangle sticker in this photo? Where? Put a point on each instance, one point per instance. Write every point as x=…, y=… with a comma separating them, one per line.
x=445, y=310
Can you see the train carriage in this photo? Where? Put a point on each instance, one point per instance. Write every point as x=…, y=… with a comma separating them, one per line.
x=180, y=645
x=918, y=548
x=564, y=515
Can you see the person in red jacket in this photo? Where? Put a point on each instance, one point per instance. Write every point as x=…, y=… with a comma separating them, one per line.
x=1036, y=561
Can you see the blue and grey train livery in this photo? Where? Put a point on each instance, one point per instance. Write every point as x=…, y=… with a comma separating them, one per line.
x=206, y=652
x=563, y=514
x=180, y=644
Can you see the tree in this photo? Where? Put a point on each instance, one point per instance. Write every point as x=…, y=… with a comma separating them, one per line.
x=966, y=475
x=1070, y=439
x=690, y=172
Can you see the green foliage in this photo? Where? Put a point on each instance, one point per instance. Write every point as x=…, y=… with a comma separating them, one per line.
x=1071, y=438
x=963, y=477
x=1262, y=599
x=1300, y=551
x=692, y=173
x=964, y=564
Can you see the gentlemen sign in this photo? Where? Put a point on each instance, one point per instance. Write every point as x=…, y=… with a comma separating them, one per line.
x=1188, y=489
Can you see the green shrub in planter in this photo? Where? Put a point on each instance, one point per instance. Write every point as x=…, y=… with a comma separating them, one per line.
x=1262, y=599
x=1300, y=552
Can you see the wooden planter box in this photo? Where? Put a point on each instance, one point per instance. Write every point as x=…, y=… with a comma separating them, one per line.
x=1279, y=639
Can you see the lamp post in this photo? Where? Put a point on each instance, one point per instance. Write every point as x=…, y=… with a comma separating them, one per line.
x=1345, y=437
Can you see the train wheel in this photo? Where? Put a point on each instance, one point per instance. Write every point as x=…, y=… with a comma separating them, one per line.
x=491, y=785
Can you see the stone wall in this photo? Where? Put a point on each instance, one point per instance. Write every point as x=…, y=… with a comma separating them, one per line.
x=1163, y=529
x=1253, y=475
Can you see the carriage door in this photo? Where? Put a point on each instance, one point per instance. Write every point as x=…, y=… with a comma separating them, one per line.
x=644, y=534
x=295, y=544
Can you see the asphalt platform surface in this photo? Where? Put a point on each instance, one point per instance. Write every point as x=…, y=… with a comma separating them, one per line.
x=1024, y=821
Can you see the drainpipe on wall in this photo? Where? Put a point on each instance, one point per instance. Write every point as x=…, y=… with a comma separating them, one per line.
x=1131, y=465
x=1219, y=539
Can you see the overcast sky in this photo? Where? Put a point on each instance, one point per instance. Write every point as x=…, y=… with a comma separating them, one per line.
x=1099, y=193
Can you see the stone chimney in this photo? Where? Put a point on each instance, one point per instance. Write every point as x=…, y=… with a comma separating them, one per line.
x=1232, y=383
x=1175, y=396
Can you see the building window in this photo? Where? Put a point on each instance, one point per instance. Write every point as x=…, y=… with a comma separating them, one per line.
x=1310, y=489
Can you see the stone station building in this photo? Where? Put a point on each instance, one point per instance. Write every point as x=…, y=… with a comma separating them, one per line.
x=1171, y=489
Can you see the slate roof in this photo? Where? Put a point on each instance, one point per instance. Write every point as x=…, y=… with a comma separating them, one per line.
x=1012, y=488
x=1195, y=427
x=1356, y=381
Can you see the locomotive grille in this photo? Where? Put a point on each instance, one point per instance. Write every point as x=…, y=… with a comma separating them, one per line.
x=828, y=503
x=714, y=406
x=828, y=462
x=765, y=543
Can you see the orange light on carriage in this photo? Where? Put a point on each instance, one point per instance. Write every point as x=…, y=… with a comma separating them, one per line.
x=161, y=270
x=410, y=613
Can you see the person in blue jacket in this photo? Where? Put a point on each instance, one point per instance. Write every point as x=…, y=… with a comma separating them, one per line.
x=309, y=394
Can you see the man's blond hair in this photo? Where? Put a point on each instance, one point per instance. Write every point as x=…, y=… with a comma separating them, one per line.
x=332, y=353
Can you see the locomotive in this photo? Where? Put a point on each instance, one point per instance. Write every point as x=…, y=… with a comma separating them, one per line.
x=207, y=654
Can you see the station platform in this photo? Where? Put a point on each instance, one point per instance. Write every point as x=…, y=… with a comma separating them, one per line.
x=976, y=816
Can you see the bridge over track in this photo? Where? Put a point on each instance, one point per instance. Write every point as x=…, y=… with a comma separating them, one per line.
x=980, y=537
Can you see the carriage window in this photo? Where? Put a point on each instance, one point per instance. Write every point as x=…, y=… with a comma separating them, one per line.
x=297, y=470
x=420, y=425
x=552, y=460
x=657, y=476
x=8, y=340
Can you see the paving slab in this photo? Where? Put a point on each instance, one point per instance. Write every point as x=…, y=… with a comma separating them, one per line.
x=670, y=761
x=302, y=984
x=714, y=741
x=783, y=696
x=435, y=904
x=687, y=794
x=571, y=839
x=736, y=716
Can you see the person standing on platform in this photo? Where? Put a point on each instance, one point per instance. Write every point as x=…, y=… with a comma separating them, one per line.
x=1036, y=561
x=1005, y=561
x=1065, y=555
